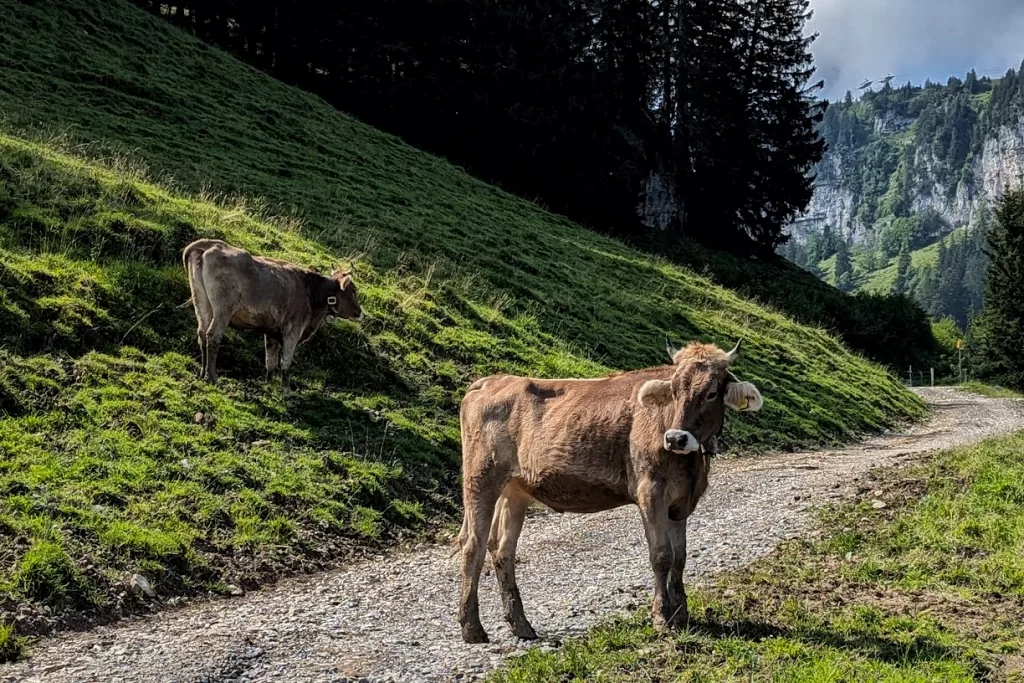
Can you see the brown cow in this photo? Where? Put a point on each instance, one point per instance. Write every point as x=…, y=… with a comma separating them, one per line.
x=287, y=303
x=579, y=445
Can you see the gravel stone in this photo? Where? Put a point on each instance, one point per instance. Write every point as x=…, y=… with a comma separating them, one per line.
x=393, y=618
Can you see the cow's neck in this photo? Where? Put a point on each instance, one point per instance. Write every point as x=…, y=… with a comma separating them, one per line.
x=317, y=290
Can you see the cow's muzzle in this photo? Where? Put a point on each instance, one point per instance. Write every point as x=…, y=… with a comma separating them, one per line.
x=678, y=441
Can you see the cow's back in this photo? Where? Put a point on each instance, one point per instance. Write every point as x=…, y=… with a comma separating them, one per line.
x=567, y=441
x=265, y=294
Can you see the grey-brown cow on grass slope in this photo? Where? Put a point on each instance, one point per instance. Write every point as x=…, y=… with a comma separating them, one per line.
x=588, y=446
x=287, y=303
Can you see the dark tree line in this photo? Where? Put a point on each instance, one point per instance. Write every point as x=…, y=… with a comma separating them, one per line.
x=578, y=103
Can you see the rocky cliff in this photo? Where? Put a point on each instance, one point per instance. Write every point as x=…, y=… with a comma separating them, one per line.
x=948, y=151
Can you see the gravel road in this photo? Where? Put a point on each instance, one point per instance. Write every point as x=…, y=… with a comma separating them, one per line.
x=394, y=618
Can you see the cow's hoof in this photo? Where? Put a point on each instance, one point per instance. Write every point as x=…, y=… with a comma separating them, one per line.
x=524, y=631
x=671, y=622
x=680, y=618
x=473, y=635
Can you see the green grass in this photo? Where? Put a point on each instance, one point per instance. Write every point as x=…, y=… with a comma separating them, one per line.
x=11, y=645
x=116, y=460
x=928, y=588
x=881, y=280
x=990, y=391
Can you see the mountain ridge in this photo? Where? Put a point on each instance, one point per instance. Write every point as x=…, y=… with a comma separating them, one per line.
x=899, y=151
x=905, y=169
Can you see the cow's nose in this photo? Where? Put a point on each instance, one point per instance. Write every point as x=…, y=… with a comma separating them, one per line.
x=679, y=441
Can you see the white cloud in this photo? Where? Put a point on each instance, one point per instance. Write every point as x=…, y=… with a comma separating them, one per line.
x=911, y=39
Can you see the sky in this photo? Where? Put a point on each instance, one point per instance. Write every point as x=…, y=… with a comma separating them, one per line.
x=913, y=39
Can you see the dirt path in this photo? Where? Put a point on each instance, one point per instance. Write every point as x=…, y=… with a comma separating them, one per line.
x=393, y=619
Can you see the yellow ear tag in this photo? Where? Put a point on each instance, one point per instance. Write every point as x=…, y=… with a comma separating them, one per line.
x=744, y=404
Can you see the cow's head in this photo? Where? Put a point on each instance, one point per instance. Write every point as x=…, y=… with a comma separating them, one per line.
x=693, y=402
x=342, y=299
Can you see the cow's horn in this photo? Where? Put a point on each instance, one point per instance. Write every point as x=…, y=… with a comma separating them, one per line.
x=671, y=350
x=734, y=354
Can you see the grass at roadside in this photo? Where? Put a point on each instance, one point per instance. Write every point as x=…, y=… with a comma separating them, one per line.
x=990, y=391
x=928, y=588
x=11, y=645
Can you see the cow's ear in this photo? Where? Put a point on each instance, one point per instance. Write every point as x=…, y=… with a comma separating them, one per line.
x=655, y=392
x=743, y=396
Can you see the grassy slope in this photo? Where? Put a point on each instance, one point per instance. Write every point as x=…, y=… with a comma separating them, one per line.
x=928, y=588
x=880, y=280
x=116, y=460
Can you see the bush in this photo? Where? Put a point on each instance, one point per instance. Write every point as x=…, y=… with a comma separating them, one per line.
x=893, y=327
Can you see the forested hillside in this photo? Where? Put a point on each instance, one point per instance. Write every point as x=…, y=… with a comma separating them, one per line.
x=691, y=116
x=906, y=168
x=123, y=139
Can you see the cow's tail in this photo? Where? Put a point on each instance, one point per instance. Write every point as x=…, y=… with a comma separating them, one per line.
x=192, y=260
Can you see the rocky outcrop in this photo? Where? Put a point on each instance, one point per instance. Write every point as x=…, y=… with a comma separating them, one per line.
x=658, y=207
x=889, y=122
x=832, y=204
x=996, y=165
x=1000, y=164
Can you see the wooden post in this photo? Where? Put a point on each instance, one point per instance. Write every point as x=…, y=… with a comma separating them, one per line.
x=933, y=377
x=910, y=373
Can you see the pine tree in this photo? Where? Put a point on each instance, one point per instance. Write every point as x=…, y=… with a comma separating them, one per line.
x=781, y=105
x=999, y=353
x=971, y=82
x=844, y=267
x=902, y=283
x=871, y=261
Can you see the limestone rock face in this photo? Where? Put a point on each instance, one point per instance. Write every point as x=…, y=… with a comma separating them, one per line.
x=994, y=165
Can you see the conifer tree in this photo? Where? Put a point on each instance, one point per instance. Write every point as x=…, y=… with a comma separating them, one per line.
x=902, y=283
x=844, y=267
x=999, y=334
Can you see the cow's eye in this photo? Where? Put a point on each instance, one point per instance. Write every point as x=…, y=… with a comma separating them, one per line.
x=712, y=395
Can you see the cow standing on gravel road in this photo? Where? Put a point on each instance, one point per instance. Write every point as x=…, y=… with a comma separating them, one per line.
x=287, y=303
x=588, y=446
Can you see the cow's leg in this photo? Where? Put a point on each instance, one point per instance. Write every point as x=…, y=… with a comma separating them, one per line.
x=505, y=529
x=481, y=487
x=287, y=354
x=676, y=590
x=201, y=334
x=273, y=355
x=214, y=335
x=204, y=316
x=654, y=512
